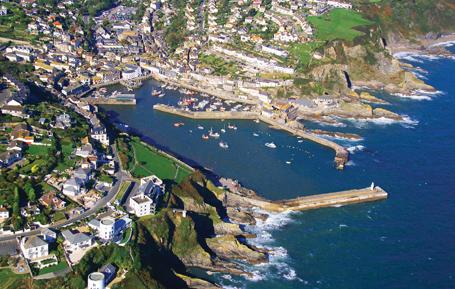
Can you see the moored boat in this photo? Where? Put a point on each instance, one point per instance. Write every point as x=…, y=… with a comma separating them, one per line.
x=223, y=145
x=270, y=145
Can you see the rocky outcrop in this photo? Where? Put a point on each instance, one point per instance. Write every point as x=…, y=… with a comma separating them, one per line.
x=381, y=112
x=240, y=216
x=223, y=228
x=229, y=247
x=196, y=283
x=368, y=97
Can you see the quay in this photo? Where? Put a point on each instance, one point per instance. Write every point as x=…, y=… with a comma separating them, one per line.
x=118, y=99
x=341, y=153
x=336, y=199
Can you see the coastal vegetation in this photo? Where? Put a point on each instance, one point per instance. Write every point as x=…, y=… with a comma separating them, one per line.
x=338, y=24
x=142, y=160
x=409, y=19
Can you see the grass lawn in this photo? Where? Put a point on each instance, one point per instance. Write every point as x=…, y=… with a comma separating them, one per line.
x=338, y=24
x=38, y=150
x=8, y=278
x=123, y=188
x=127, y=235
x=60, y=266
x=148, y=162
x=303, y=52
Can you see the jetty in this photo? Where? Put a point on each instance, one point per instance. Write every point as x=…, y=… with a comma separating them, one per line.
x=341, y=153
x=336, y=199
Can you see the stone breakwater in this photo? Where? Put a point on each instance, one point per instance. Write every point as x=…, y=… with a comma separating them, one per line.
x=341, y=153
x=248, y=199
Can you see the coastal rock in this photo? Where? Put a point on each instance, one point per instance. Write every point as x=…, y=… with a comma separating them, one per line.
x=223, y=228
x=240, y=216
x=228, y=247
x=196, y=283
x=354, y=109
x=381, y=112
x=364, y=95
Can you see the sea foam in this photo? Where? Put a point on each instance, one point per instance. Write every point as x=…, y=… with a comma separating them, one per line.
x=277, y=267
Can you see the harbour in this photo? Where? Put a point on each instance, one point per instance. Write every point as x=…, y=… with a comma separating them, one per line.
x=341, y=154
x=328, y=248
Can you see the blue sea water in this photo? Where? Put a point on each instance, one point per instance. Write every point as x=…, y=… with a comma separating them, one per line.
x=406, y=241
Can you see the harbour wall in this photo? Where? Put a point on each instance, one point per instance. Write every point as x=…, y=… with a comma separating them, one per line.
x=341, y=154
x=308, y=202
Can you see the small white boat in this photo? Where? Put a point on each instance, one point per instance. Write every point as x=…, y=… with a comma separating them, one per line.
x=223, y=145
x=223, y=130
x=256, y=120
x=156, y=92
x=255, y=134
x=200, y=127
x=300, y=141
x=213, y=134
x=270, y=145
x=231, y=126
x=288, y=162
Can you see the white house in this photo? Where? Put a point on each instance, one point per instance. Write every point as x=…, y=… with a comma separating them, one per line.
x=3, y=11
x=106, y=229
x=99, y=133
x=34, y=247
x=131, y=71
x=77, y=240
x=4, y=213
x=72, y=187
x=142, y=205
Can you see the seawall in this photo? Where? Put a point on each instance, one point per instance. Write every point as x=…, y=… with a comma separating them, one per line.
x=307, y=202
x=341, y=154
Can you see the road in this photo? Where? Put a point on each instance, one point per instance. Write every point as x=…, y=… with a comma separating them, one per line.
x=120, y=177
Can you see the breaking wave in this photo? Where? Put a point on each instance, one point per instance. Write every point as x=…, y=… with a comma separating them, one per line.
x=278, y=266
x=383, y=121
x=355, y=149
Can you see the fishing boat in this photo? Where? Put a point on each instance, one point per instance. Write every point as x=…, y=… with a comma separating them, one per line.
x=223, y=130
x=178, y=124
x=231, y=126
x=223, y=145
x=288, y=162
x=200, y=127
x=161, y=94
x=270, y=145
x=213, y=134
x=255, y=134
x=205, y=137
x=156, y=92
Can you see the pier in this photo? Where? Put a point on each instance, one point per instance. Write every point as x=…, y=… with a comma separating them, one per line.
x=341, y=154
x=336, y=199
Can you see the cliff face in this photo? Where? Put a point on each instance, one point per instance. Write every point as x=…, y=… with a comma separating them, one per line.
x=365, y=64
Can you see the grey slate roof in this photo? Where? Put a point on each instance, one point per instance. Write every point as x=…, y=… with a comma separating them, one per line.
x=34, y=242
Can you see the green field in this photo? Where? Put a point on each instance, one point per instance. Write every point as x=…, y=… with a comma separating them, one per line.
x=338, y=24
x=123, y=188
x=303, y=52
x=52, y=269
x=8, y=278
x=38, y=150
x=148, y=161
